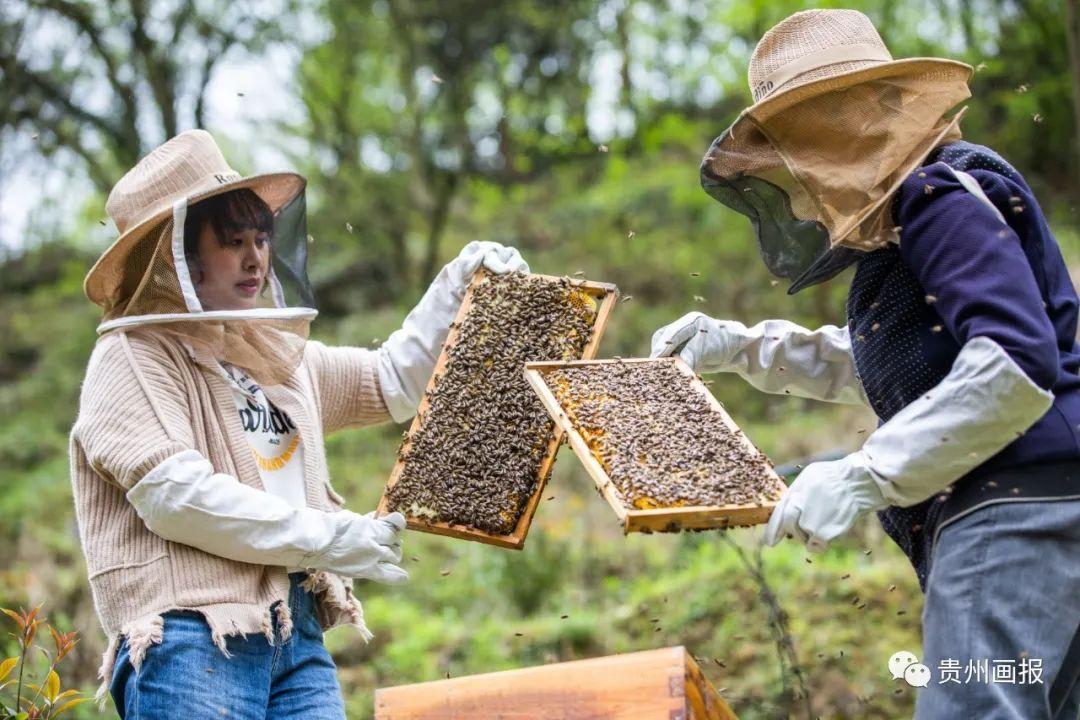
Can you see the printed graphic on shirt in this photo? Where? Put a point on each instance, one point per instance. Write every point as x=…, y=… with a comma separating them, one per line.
x=256, y=418
x=273, y=437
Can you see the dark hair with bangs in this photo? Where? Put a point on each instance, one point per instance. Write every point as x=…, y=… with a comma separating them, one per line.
x=228, y=212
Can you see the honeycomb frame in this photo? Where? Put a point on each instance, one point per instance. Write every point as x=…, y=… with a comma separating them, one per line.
x=661, y=519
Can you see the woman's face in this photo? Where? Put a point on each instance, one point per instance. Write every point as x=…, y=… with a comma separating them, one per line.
x=230, y=272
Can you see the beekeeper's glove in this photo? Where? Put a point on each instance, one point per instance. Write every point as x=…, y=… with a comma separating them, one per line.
x=775, y=356
x=408, y=356
x=364, y=546
x=183, y=500
x=983, y=404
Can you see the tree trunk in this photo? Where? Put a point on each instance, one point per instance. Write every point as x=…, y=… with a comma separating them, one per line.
x=446, y=191
x=1072, y=34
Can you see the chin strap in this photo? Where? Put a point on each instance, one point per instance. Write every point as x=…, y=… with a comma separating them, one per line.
x=187, y=288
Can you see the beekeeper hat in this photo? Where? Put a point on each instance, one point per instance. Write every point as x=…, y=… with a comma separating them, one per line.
x=189, y=166
x=835, y=127
x=144, y=280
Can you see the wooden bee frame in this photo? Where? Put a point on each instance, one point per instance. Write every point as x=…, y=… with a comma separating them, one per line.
x=673, y=519
x=605, y=295
x=665, y=684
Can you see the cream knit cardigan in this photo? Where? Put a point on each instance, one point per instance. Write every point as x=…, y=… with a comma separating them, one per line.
x=148, y=395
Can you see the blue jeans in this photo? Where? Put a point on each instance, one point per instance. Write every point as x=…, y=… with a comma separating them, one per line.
x=1004, y=585
x=186, y=676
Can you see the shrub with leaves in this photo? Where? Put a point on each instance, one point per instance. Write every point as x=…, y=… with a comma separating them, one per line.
x=28, y=700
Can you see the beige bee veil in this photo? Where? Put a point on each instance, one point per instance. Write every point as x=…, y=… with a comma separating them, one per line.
x=143, y=279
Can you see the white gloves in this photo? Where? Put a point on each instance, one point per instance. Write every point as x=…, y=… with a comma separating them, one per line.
x=825, y=501
x=408, y=356
x=183, y=500
x=364, y=546
x=983, y=404
x=773, y=356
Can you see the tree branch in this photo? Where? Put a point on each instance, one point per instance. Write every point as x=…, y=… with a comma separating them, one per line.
x=159, y=70
x=82, y=17
x=212, y=56
x=15, y=68
x=785, y=644
x=437, y=223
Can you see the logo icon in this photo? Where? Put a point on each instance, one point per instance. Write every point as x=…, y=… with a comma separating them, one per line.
x=917, y=675
x=900, y=662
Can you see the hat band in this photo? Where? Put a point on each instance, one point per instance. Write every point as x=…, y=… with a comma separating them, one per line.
x=818, y=59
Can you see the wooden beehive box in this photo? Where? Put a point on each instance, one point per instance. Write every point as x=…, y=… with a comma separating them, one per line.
x=661, y=684
x=662, y=519
x=604, y=296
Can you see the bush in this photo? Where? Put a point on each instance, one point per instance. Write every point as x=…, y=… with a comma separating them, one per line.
x=53, y=702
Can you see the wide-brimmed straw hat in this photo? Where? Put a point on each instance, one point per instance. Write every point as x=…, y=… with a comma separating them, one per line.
x=818, y=51
x=189, y=166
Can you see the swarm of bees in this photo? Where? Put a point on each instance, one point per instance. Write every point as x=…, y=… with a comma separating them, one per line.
x=475, y=458
x=658, y=438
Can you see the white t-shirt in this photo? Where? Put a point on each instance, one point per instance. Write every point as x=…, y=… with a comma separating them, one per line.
x=273, y=437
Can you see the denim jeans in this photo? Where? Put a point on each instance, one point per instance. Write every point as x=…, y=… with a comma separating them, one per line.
x=1004, y=586
x=186, y=676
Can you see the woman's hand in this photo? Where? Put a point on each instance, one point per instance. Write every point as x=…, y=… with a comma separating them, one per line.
x=698, y=339
x=983, y=404
x=364, y=546
x=825, y=501
x=775, y=356
x=492, y=256
x=183, y=500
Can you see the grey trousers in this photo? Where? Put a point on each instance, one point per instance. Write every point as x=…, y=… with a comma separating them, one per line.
x=1001, y=621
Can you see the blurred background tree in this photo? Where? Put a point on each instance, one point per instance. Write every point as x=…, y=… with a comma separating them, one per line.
x=572, y=129
x=109, y=82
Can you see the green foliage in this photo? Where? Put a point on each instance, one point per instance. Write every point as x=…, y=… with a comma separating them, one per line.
x=42, y=700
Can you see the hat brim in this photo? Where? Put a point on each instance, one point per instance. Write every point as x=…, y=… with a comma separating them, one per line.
x=739, y=143
x=738, y=140
x=275, y=189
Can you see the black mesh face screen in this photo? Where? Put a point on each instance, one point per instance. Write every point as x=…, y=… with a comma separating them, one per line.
x=789, y=246
x=289, y=258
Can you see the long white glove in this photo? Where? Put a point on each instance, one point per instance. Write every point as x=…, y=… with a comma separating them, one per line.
x=983, y=404
x=408, y=356
x=183, y=500
x=773, y=356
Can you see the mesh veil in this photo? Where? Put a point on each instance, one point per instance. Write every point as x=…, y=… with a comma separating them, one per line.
x=267, y=341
